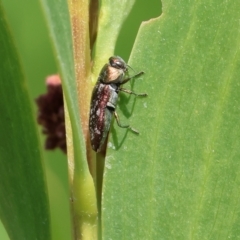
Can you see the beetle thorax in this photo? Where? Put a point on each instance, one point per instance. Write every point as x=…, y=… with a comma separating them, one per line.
x=114, y=75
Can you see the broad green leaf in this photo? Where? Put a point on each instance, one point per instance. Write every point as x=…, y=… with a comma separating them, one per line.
x=83, y=198
x=179, y=179
x=24, y=208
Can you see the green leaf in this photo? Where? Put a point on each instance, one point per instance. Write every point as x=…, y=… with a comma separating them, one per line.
x=179, y=178
x=24, y=208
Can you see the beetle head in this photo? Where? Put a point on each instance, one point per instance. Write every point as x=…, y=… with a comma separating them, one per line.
x=118, y=63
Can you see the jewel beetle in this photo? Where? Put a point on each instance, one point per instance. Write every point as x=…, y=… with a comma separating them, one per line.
x=104, y=99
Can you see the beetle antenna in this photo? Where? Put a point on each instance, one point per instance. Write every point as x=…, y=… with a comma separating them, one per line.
x=130, y=67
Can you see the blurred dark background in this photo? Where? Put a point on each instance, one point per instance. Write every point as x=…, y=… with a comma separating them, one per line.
x=29, y=29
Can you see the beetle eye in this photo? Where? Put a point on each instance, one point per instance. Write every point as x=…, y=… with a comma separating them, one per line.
x=118, y=65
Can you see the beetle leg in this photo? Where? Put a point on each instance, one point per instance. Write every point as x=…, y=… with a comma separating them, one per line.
x=131, y=92
x=124, y=126
x=129, y=78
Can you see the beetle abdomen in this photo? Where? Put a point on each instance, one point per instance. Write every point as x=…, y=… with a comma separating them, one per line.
x=102, y=106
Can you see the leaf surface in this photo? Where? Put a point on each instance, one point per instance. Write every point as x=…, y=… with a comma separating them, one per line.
x=24, y=208
x=179, y=179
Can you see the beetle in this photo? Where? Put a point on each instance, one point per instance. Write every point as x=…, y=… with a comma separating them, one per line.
x=104, y=100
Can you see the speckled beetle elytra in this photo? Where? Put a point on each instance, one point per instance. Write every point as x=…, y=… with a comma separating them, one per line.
x=104, y=100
